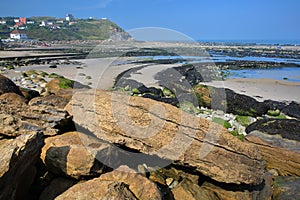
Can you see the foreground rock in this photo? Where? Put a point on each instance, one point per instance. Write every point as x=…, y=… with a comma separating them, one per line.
x=281, y=154
x=161, y=130
x=75, y=154
x=17, y=171
x=7, y=86
x=123, y=183
x=19, y=118
x=286, y=188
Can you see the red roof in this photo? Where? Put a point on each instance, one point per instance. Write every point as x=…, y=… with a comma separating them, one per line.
x=16, y=32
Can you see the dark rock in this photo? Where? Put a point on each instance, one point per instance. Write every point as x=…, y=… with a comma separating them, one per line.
x=286, y=188
x=57, y=187
x=7, y=86
x=29, y=94
x=274, y=105
x=53, y=66
x=287, y=128
x=18, y=156
x=293, y=110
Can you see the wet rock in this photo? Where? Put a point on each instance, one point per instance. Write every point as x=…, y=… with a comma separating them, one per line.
x=293, y=110
x=280, y=153
x=286, y=188
x=163, y=131
x=287, y=128
x=18, y=156
x=75, y=155
x=7, y=86
x=123, y=183
x=29, y=94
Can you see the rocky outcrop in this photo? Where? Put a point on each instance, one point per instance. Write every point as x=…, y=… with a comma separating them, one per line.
x=293, y=110
x=7, y=86
x=18, y=157
x=123, y=183
x=286, y=128
x=75, y=154
x=286, y=188
x=21, y=119
x=51, y=100
x=165, y=132
x=280, y=153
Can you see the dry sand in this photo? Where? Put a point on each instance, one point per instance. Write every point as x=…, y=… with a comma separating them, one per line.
x=262, y=89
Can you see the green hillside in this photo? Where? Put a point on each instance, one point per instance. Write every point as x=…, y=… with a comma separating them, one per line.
x=79, y=29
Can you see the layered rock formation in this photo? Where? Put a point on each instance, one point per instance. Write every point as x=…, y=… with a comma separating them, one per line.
x=172, y=135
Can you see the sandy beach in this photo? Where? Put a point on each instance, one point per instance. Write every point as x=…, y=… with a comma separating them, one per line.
x=262, y=89
x=103, y=71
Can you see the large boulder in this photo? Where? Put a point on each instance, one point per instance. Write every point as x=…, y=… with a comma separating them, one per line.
x=7, y=86
x=162, y=131
x=293, y=110
x=280, y=153
x=123, y=183
x=51, y=100
x=18, y=157
x=74, y=155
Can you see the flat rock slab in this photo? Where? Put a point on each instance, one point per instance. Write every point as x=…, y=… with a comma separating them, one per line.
x=161, y=130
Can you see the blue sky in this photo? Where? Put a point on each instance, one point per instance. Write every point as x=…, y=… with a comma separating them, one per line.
x=199, y=19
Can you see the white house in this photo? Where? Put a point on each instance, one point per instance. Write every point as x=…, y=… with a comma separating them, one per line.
x=17, y=35
x=2, y=22
x=69, y=17
x=43, y=23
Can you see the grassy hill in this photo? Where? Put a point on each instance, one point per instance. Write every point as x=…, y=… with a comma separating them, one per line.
x=80, y=29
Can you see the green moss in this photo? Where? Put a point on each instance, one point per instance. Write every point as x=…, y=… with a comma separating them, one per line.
x=236, y=134
x=168, y=93
x=281, y=117
x=88, y=77
x=222, y=122
x=44, y=74
x=54, y=75
x=243, y=120
x=135, y=91
x=65, y=83
x=274, y=113
x=10, y=67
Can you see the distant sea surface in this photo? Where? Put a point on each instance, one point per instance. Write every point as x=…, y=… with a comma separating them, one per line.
x=258, y=42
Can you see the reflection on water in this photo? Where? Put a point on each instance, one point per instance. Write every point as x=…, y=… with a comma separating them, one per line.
x=288, y=73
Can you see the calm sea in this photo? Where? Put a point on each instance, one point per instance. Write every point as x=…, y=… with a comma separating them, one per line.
x=258, y=42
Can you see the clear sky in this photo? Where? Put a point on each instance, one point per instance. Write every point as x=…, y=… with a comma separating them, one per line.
x=199, y=19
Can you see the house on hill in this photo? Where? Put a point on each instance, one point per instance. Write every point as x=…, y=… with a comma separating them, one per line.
x=18, y=35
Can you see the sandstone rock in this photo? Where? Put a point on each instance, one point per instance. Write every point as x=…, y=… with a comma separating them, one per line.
x=165, y=132
x=7, y=86
x=279, y=153
x=17, y=158
x=61, y=83
x=13, y=98
x=123, y=183
x=286, y=188
x=56, y=187
x=21, y=119
x=189, y=190
x=75, y=155
x=50, y=100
